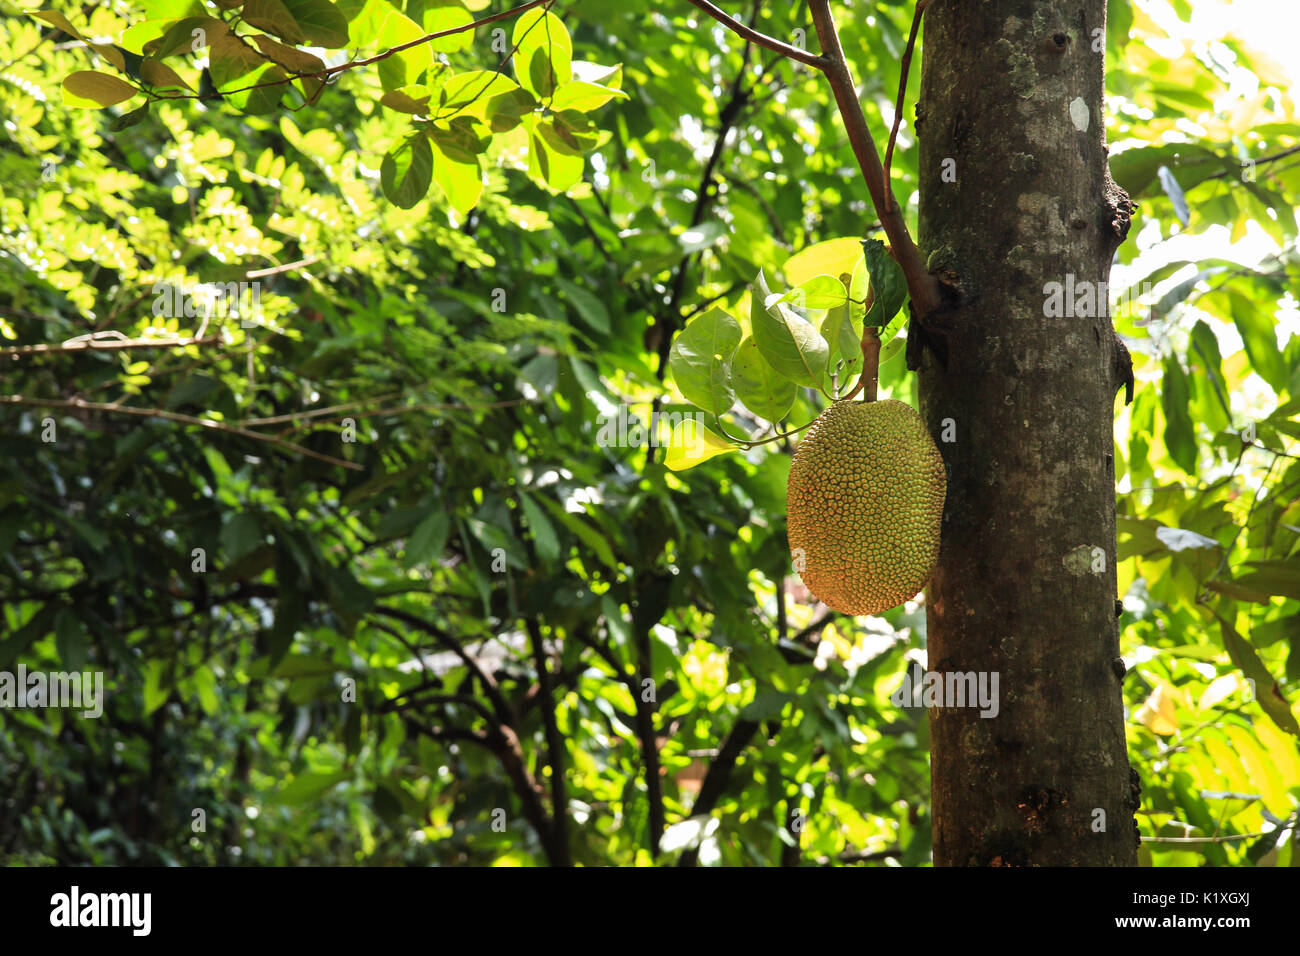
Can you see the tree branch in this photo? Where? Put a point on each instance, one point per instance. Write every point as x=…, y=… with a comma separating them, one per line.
x=1290, y=151
x=902, y=86
x=102, y=345
x=447, y=642
x=923, y=287
x=115, y=408
x=719, y=773
x=554, y=745
x=762, y=39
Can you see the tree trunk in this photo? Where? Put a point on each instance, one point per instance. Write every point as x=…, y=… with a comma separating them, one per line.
x=1012, y=94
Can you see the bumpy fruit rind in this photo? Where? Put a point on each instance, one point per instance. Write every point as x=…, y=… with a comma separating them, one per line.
x=865, y=503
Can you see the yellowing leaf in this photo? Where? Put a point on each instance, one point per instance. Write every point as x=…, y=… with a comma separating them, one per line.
x=834, y=257
x=1157, y=713
x=691, y=443
x=1220, y=689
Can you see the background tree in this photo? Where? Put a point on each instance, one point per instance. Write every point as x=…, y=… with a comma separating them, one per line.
x=478, y=632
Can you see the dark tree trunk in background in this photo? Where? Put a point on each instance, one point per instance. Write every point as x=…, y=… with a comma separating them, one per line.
x=1025, y=587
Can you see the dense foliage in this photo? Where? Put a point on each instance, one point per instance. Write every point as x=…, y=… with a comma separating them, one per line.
x=374, y=555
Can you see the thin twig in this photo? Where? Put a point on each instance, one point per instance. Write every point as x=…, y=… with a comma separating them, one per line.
x=923, y=287
x=762, y=39
x=118, y=409
x=902, y=89
x=99, y=345
x=276, y=270
x=332, y=71
x=1290, y=151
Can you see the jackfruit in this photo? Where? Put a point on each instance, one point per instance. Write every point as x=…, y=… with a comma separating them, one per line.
x=864, y=505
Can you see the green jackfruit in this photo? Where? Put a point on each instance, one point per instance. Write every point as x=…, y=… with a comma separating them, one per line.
x=864, y=503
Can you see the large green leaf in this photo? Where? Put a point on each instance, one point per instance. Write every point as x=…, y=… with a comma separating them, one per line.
x=407, y=171
x=762, y=391
x=1180, y=437
x=701, y=361
x=543, y=53
x=788, y=343
x=1269, y=694
x=87, y=88
x=888, y=286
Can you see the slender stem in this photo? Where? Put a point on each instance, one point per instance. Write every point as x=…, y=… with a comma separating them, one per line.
x=332, y=71
x=554, y=745
x=111, y=345
x=276, y=270
x=923, y=287
x=762, y=39
x=1289, y=151
x=116, y=409
x=870, y=355
x=902, y=86
x=870, y=364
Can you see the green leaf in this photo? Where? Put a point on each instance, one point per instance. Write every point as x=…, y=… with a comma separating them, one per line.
x=845, y=340
x=1137, y=170
x=701, y=237
x=157, y=684
x=506, y=110
x=888, y=333
x=887, y=283
x=1169, y=183
x=584, y=97
x=409, y=99
x=1119, y=20
x=1273, y=577
x=243, y=76
x=1259, y=336
x=308, y=787
x=1180, y=438
x=56, y=19
x=766, y=705
x=757, y=385
x=407, y=170
x=461, y=140
x=320, y=22
x=205, y=687
x=448, y=17
x=543, y=52
x=700, y=361
x=1267, y=690
x=473, y=94
x=1205, y=348
x=127, y=120
x=787, y=342
x=185, y=36
x=240, y=535
x=89, y=89
x=382, y=25
x=558, y=168
x=37, y=626
x=585, y=533
x=460, y=182
x=70, y=639
x=587, y=304
x=160, y=76
x=428, y=540
x=541, y=529
x=818, y=292
x=273, y=17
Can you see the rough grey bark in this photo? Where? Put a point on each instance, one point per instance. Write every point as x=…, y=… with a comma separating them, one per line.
x=1012, y=93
